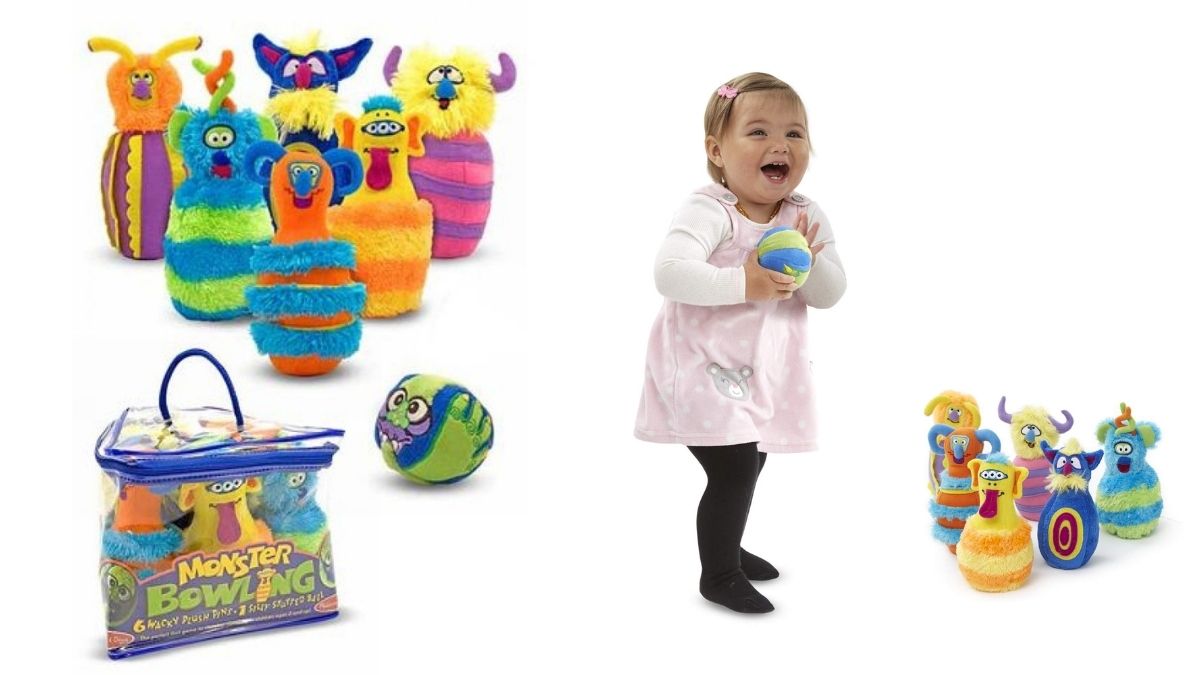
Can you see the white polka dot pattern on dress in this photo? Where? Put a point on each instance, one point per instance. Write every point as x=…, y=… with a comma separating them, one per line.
x=770, y=337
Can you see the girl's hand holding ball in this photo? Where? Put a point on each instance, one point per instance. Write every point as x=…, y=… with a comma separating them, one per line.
x=765, y=284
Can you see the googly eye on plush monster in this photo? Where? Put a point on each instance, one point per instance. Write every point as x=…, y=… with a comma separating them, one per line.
x=1028, y=427
x=432, y=430
x=305, y=304
x=1129, y=497
x=457, y=94
x=304, y=85
x=139, y=173
x=1069, y=528
x=218, y=214
x=390, y=228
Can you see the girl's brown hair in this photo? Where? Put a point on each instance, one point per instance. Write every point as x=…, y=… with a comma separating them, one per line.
x=720, y=108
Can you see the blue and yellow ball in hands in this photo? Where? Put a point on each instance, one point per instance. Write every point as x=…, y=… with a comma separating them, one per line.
x=785, y=250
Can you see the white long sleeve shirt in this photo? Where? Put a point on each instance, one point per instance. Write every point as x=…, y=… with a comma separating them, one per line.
x=682, y=271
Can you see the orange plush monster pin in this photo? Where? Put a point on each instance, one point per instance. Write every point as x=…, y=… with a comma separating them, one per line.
x=305, y=304
x=139, y=172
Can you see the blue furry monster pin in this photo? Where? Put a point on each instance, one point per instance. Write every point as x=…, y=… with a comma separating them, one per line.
x=304, y=85
x=1129, y=497
x=1069, y=528
x=432, y=430
x=287, y=505
x=218, y=214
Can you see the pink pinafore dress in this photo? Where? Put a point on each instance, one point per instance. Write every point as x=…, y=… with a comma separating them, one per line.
x=731, y=374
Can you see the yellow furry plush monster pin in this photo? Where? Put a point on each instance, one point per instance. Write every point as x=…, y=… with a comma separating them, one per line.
x=995, y=552
x=390, y=228
x=221, y=519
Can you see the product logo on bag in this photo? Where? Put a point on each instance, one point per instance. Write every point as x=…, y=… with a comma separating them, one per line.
x=254, y=574
x=234, y=564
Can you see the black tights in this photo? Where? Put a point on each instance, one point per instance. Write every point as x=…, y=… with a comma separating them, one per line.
x=721, y=518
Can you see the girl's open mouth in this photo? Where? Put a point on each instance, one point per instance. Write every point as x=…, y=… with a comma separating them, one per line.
x=776, y=172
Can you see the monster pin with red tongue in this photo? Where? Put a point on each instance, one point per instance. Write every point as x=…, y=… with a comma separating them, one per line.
x=1128, y=497
x=995, y=552
x=212, y=525
x=390, y=228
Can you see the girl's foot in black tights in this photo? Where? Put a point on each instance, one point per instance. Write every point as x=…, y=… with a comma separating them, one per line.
x=736, y=593
x=756, y=568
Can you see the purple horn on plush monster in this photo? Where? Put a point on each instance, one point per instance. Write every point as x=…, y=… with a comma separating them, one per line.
x=1063, y=426
x=508, y=74
x=390, y=63
x=1004, y=416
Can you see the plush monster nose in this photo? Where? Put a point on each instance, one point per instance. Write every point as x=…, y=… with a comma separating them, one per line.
x=445, y=89
x=1029, y=436
x=141, y=90
x=954, y=416
x=958, y=454
x=303, y=76
x=303, y=184
x=1066, y=469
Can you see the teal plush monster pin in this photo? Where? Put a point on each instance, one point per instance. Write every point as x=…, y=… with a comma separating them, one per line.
x=433, y=430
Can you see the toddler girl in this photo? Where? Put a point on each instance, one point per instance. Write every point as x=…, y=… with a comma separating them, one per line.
x=727, y=370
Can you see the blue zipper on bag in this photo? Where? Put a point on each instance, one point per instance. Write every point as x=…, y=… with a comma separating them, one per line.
x=221, y=459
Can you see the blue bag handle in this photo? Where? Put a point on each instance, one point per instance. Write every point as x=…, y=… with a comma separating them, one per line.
x=162, y=391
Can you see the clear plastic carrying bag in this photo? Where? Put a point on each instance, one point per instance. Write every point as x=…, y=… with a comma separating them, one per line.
x=211, y=524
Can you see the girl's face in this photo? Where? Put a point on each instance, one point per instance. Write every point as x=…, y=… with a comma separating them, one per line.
x=763, y=150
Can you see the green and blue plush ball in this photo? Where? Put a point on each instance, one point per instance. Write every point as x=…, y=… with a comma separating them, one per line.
x=785, y=250
x=433, y=430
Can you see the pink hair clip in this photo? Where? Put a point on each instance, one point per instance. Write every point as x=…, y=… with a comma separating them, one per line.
x=726, y=91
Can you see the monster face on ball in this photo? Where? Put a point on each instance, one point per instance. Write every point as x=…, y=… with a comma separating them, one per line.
x=432, y=430
x=404, y=418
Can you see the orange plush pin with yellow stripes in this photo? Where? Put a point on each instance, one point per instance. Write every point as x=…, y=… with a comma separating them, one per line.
x=390, y=228
x=995, y=552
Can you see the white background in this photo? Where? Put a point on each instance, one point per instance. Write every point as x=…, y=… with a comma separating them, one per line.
x=1012, y=192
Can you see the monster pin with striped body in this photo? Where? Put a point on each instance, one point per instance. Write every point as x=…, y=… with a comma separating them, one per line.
x=1129, y=497
x=432, y=430
x=139, y=172
x=218, y=214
